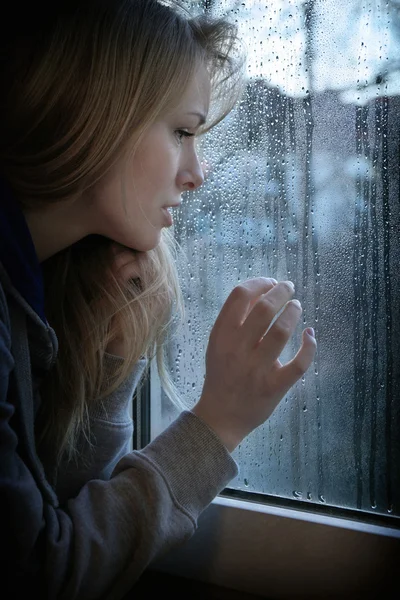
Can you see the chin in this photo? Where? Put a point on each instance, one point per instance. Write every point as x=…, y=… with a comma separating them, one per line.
x=144, y=245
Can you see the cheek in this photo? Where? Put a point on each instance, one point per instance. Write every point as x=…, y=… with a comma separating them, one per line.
x=156, y=177
x=155, y=165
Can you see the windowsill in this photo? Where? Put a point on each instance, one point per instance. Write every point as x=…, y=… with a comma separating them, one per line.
x=309, y=516
x=279, y=553
x=158, y=584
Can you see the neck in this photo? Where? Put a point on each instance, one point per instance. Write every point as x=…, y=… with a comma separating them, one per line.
x=54, y=228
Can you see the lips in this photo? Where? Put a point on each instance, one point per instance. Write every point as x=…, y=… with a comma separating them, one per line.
x=167, y=216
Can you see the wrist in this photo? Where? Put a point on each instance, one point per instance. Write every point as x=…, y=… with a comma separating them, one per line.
x=227, y=434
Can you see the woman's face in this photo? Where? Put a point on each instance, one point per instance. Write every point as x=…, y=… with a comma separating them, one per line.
x=132, y=203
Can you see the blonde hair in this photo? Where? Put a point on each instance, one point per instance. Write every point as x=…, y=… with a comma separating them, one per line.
x=80, y=87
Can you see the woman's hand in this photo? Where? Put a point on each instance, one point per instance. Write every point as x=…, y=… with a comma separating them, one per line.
x=245, y=379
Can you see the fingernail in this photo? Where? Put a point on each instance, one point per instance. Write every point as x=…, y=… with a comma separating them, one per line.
x=274, y=281
x=310, y=331
x=290, y=283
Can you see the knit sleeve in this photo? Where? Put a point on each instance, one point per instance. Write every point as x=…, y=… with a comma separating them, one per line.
x=97, y=544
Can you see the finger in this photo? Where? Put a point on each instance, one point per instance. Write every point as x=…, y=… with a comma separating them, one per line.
x=265, y=310
x=124, y=264
x=240, y=301
x=292, y=371
x=281, y=330
x=117, y=248
x=129, y=271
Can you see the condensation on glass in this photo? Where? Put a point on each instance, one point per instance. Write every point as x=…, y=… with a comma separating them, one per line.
x=303, y=184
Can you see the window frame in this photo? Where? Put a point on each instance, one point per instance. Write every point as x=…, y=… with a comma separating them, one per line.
x=279, y=548
x=287, y=549
x=283, y=553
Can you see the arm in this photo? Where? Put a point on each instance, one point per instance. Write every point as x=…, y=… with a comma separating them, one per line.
x=116, y=528
x=97, y=544
x=111, y=434
x=100, y=542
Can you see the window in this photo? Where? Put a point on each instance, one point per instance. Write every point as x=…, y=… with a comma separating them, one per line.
x=305, y=187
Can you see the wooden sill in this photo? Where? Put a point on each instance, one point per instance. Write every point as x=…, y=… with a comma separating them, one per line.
x=161, y=584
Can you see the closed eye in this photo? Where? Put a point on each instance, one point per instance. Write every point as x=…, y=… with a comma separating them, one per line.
x=182, y=133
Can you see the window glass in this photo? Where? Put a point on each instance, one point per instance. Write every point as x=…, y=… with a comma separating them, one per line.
x=303, y=184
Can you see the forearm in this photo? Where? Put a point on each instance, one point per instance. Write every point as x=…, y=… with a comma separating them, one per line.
x=99, y=543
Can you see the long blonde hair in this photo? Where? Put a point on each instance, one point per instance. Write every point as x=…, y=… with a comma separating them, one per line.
x=79, y=87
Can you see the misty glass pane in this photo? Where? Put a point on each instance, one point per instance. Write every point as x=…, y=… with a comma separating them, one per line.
x=303, y=184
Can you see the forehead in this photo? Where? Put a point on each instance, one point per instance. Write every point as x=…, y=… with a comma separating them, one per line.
x=196, y=96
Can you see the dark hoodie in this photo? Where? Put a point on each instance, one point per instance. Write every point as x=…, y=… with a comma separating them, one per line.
x=114, y=511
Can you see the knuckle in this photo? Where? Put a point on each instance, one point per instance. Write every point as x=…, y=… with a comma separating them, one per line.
x=240, y=292
x=281, y=329
x=266, y=305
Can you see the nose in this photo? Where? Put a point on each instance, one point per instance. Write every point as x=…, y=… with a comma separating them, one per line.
x=191, y=174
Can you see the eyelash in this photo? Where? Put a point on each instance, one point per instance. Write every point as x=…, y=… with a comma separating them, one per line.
x=182, y=133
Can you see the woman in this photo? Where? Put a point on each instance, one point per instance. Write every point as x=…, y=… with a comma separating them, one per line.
x=101, y=104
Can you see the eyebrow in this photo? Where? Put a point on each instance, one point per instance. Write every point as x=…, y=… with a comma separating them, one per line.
x=201, y=117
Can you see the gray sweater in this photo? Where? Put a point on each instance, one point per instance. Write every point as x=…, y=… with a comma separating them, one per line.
x=108, y=518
